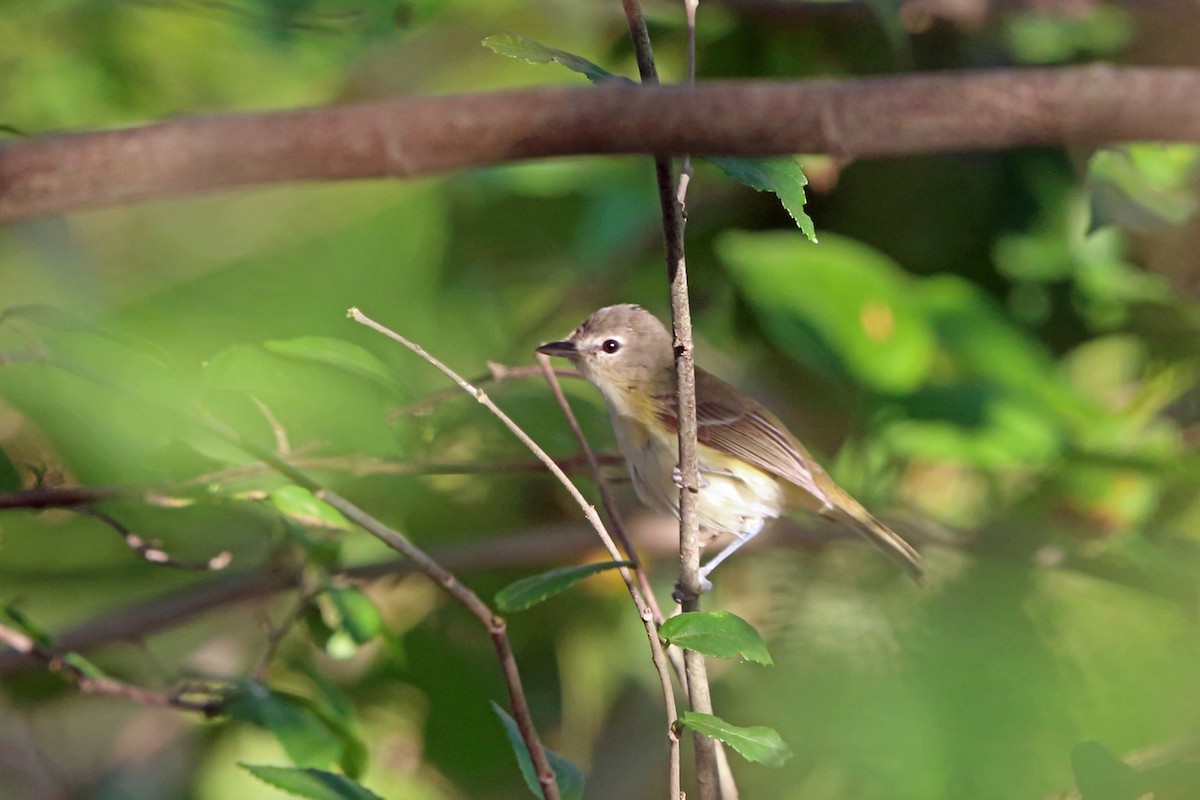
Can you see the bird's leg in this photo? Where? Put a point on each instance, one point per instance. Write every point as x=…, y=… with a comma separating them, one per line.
x=739, y=539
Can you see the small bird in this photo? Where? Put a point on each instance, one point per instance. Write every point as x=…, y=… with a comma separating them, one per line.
x=751, y=466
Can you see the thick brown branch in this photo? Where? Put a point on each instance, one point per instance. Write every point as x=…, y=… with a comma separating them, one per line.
x=403, y=138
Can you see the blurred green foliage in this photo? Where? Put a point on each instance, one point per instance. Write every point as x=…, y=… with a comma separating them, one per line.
x=995, y=351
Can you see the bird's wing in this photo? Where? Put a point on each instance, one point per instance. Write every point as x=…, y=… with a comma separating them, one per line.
x=750, y=433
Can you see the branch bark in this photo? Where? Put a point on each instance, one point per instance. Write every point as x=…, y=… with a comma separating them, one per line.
x=403, y=138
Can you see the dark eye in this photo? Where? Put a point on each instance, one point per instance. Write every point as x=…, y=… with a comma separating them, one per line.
x=610, y=346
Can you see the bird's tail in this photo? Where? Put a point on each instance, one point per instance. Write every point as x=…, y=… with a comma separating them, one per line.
x=885, y=539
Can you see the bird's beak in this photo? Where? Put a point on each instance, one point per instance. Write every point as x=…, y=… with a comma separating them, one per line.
x=563, y=349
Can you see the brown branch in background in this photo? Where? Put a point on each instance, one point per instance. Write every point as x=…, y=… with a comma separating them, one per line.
x=589, y=513
x=699, y=696
x=207, y=701
x=153, y=551
x=495, y=625
x=403, y=138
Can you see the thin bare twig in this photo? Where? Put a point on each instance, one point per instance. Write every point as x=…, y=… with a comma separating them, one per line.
x=670, y=199
x=153, y=551
x=498, y=373
x=589, y=513
x=496, y=626
x=207, y=702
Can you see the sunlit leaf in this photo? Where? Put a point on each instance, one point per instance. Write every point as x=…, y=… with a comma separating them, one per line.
x=311, y=783
x=530, y=591
x=305, y=508
x=513, y=45
x=781, y=175
x=360, y=618
x=568, y=777
x=840, y=305
x=338, y=353
x=756, y=743
x=719, y=634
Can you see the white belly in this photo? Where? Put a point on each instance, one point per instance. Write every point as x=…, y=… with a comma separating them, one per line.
x=738, y=506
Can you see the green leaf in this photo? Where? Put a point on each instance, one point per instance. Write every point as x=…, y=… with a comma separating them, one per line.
x=782, y=175
x=522, y=594
x=756, y=743
x=1144, y=185
x=343, y=355
x=311, y=783
x=10, y=478
x=513, y=45
x=842, y=306
x=568, y=777
x=31, y=629
x=303, y=506
x=304, y=735
x=719, y=634
x=1100, y=775
x=359, y=616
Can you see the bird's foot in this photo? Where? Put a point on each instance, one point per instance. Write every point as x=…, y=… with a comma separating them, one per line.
x=677, y=477
x=705, y=587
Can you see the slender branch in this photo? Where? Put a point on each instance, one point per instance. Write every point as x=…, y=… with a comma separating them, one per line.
x=707, y=774
x=207, y=701
x=589, y=513
x=153, y=551
x=865, y=118
x=498, y=373
x=495, y=625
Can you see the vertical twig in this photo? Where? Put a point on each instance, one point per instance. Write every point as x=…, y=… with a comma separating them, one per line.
x=656, y=650
x=671, y=200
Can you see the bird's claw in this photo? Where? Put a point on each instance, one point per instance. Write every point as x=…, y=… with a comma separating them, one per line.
x=677, y=477
x=706, y=586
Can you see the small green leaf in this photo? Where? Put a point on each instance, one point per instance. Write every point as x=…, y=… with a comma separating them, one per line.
x=83, y=666
x=10, y=479
x=513, y=45
x=31, y=629
x=522, y=594
x=756, y=743
x=781, y=175
x=338, y=353
x=359, y=616
x=303, y=506
x=719, y=634
x=1100, y=775
x=304, y=735
x=568, y=777
x=311, y=783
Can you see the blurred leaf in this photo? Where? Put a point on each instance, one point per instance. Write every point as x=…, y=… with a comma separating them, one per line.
x=305, y=508
x=1043, y=37
x=359, y=616
x=338, y=353
x=516, y=46
x=522, y=594
x=719, y=634
x=756, y=743
x=1100, y=775
x=312, y=783
x=568, y=777
x=29, y=627
x=841, y=297
x=306, y=738
x=10, y=479
x=1143, y=186
x=320, y=630
x=85, y=667
x=781, y=175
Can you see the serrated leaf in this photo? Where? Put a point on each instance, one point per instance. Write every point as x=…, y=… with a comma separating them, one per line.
x=756, y=743
x=360, y=618
x=305, y=737
x=781, y=175
x=315, y=784
x=513, y=45
x=338, y=353
x=522, y=594
x=719, y=634
x=568, y=777
x=305, y=508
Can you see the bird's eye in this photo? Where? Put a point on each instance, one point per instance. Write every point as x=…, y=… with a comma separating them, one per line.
x=610, y=346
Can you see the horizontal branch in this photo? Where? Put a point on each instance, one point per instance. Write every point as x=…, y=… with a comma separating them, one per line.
x=404, y=138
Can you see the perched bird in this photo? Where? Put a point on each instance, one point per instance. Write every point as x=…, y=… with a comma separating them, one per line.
x=751, y=467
